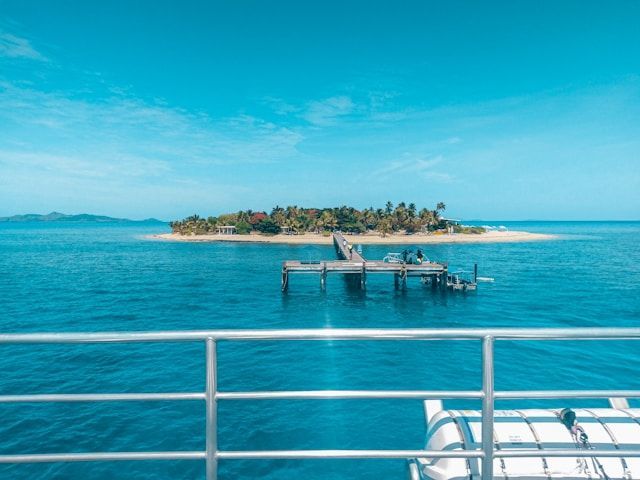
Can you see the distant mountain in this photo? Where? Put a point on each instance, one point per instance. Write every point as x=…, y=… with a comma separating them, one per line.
x=62, y=217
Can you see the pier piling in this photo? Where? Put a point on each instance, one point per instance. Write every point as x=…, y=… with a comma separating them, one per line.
x=323, y=277
x=285, y=279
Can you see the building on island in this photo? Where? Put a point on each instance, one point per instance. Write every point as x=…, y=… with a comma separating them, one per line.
x=226, y=230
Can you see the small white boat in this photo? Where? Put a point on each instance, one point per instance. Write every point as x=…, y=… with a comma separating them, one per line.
x=461, y=280
x=392, y=258
x=531, y=429
x=485, y=279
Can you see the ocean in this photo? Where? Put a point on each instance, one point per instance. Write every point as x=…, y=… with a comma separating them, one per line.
x=69, y=277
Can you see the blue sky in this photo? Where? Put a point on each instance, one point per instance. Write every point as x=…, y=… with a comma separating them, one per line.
x=503, y=110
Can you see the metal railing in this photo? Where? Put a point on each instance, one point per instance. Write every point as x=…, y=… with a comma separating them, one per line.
x=211, y=455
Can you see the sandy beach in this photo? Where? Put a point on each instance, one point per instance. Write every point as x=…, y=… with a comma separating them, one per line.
x=368, y=239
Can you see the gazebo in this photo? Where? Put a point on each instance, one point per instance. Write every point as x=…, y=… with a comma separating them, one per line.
x=226, y=230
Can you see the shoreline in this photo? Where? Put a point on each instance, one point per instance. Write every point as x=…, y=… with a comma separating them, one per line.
x=366, y=239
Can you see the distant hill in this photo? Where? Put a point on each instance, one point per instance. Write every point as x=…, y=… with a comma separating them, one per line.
x=62, y=217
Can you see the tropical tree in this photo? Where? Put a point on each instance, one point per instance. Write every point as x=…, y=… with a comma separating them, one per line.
x=299, y=219
x=385, y=227
x=411, y=210
x=268, y=226
x=388, y=207
x=329, y=220
x=278, y=215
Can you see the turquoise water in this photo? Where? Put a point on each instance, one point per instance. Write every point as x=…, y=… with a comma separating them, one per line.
x=70, y=277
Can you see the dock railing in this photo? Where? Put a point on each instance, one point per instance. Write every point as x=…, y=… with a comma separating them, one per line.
x=211, y=396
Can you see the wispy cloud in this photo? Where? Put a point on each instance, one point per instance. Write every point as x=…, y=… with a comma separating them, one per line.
x=279, y=106
x=136, y=149
x=13, y=46
x=120, y=126
x=326, y=112
x=422, y=167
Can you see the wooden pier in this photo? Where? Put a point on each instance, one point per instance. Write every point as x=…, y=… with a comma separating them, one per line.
x=350, y=262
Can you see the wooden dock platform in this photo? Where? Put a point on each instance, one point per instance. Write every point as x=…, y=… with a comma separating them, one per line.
x=350, y=262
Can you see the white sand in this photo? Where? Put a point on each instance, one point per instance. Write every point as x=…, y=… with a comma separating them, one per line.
x=367, y=239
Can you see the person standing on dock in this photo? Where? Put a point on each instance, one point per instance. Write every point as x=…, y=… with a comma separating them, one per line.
x=350, y=252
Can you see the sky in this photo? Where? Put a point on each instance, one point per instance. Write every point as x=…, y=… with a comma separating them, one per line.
x=503, y=110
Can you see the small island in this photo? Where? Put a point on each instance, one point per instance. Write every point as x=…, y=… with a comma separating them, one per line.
x=400, y=224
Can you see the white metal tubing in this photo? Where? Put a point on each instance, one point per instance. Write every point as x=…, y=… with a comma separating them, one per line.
x=335, y=454
x=566, y=453
x=100, y=397
x=349, y=394
x=514, y=394
x=100, y=457
x=211, y=426
x=487, y=407
x=211, y=455
x=331, y=334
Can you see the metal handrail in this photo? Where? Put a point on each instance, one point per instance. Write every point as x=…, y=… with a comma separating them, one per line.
x=211, y=395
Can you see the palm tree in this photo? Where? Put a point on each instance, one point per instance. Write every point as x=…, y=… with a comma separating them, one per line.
x=426, y=217
x=318, y=223
x=299, y=219
x=384, y=227
x=400, y=216
x=411, y=211
x=388, y=207
x=369, y=219
x=329, y=220
x=278, y=216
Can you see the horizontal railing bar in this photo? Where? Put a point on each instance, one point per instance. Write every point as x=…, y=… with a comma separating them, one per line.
x=100, y=397
x=334, y=454
x=551, y=394
x=320, y=394
x=348, y=394
x=100, y=457
x=331, y=334
x=565, y=453
x=307, y=454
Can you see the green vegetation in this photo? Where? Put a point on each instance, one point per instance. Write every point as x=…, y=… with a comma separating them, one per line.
x=472, y=230
x=402, y=218
x=63, y=217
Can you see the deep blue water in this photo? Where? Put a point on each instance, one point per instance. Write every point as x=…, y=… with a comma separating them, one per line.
x=73, y=277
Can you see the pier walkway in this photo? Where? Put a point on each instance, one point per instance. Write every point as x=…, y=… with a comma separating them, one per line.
x=354, y=264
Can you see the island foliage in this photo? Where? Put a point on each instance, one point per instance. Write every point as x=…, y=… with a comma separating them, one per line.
x=63, y=217
x=401, y=218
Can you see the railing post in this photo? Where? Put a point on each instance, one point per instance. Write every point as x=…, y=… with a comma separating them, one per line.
x=211, y=434
x=487, y=407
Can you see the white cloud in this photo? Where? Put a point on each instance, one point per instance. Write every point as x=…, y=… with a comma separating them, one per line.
x=16, y=47
x=327, y=111
x=121, y=127
x=54, y=147
x=410, y=165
